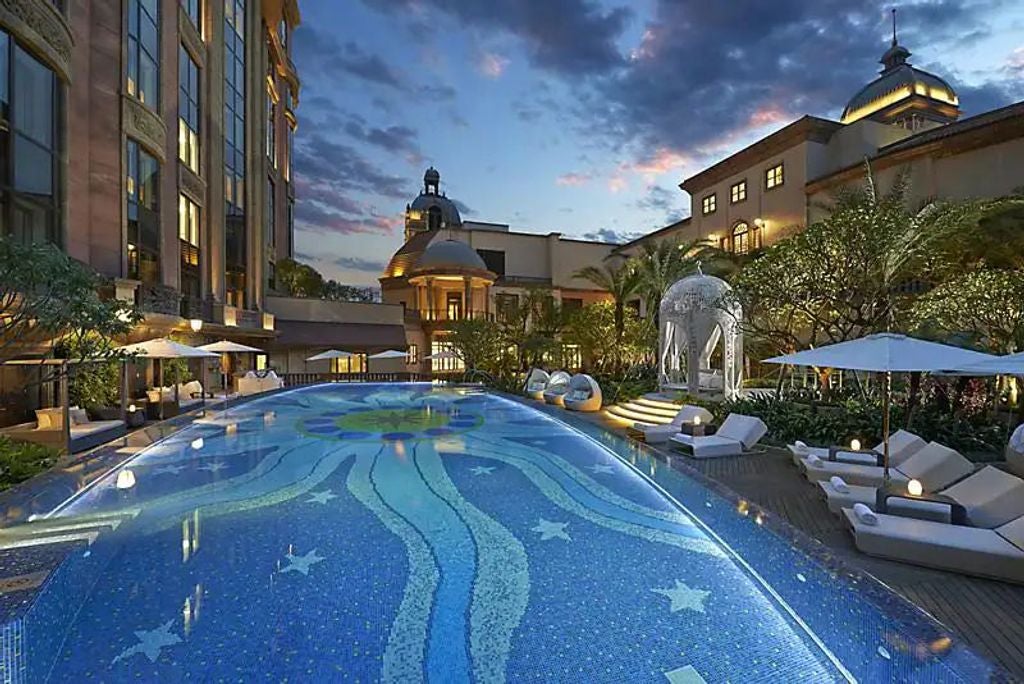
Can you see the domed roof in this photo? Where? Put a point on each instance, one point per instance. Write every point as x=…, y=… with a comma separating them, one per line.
x=449, y=212
x=902, y=82
x=449, y=255
x=432, y=176
x=695, y=292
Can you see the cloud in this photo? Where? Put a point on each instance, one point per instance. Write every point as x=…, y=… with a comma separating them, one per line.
x=617, y=184
x=492, y=65
x=659, y=199
x=396, y=139
x=313, y=217
x=359, y=264
x=321, y=160
x=611, y=236
x=464, y=209
x=573, y=179
x=575, y=37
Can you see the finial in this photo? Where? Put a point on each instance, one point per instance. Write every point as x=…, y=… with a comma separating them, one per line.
x=894, y=42
x=700, y=271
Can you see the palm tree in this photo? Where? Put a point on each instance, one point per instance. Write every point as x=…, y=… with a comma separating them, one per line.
x=620, y=281
x=660, y=264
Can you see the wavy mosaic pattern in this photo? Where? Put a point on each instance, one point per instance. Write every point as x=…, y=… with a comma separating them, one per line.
x=486, y=534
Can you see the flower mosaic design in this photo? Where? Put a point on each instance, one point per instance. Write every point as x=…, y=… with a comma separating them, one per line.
x=391, y=423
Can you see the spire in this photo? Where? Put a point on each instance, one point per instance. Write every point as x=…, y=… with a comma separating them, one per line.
x=896, y=55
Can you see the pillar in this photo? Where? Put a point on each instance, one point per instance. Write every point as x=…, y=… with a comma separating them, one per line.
x=467, y=298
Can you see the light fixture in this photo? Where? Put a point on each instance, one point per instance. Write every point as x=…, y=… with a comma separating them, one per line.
x=125, y=479
x=855, y=444
x=914, y=488
x=759, y=222
x=196, y=324
x=132, y=408
x=197, y=443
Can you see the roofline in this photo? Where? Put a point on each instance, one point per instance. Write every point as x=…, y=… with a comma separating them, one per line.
x=805, y=128
x=907, y=149
x=681, y=222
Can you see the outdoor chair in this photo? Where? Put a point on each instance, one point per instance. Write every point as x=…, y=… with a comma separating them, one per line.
x=556, y=389
x=536, y=382
x=584, y=394
x=737, y=435
x=861, y=468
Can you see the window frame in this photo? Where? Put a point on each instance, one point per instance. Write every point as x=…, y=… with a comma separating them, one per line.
x=190, y=98
x=140, y=211
x=736, y=190
x=779, y=181
x=136, y=12
x=709, y=201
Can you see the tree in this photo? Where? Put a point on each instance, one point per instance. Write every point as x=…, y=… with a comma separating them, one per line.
x=50, y=300
x=478, y=342
x=660, y=264
x=591, y=328
x=986, y=305
x=530, y=324
x=299, y=280
x=620, y=281
x=336, y=292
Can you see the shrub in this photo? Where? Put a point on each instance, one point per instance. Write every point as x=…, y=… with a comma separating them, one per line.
x=21, y=460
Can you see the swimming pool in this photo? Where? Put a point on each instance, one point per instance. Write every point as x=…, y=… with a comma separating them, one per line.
x=406, y=533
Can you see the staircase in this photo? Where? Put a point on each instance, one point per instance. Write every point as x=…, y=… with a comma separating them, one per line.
x=651, y=409
x=61, y=530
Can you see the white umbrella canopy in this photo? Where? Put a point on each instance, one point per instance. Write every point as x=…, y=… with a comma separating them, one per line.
x=330, y=354
x=163, y=348
x=885, y=352
x=389, y=354
x=1011, y=364
x=226, y=347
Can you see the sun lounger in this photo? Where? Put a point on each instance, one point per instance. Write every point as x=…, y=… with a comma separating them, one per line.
x=996, y=553
x=1015, y=451
x=991, y=497
x=902, y=445
x=536, y=382
x=655, y=434
x=935, y=467
x=737, y=434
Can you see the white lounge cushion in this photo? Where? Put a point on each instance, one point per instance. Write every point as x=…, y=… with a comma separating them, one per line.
x=94, y=427
x=902, y=445
x=747, y=430
x=1015, y=451
x=78, y=415
x=1013, y=532
x=852, y=473
x=654, y=434
x=936, y=466
x=991, y=497
x=939, y=545
x=709, y=446
x=837, y=500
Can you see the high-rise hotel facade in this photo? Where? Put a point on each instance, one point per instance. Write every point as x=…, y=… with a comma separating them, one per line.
x=152, y=140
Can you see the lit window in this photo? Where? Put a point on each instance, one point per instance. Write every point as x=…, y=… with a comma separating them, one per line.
x=709, y=204
x=142, y=181
x=236, y=240
x=773, y=177
x=412, y=356
x=144, y=51
x=738, y=192
x=744, y=238
x=188, y=221
x=188, y=110
x=271, y=127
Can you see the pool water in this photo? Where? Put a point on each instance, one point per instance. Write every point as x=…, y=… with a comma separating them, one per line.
x=405, y=533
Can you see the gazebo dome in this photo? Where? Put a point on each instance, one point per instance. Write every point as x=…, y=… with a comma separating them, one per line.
x=450, y=257
x=449, y=212
x=695, y=291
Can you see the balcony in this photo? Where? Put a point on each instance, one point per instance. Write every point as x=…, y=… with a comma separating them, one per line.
x=441, y=317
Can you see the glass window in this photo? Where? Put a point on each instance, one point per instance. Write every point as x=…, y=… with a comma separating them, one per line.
x=188, y=221
x=271, y=127
x=234, y=150
x=144, y=51
x=709, y=204
x=188, y=109
x=738, y=192
x=744, y=238
x=291, y=228
x=773, y=177
x=193, y=9
x=268, y=219
x=290, y=152
x=141, y=184
x=412, y=354
x=444, y=365
x=29, y=151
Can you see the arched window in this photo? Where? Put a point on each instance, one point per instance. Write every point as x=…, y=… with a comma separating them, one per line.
x=741, y=238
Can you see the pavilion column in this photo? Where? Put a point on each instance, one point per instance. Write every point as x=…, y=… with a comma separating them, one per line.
x=487, y=301
x=430, y=298
x=468, y=297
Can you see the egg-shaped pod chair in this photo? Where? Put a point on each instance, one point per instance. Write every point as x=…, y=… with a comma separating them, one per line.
x=558, y=385
x=584, y=394
x=536, y=382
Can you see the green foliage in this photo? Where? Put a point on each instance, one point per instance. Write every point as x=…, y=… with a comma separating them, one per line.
x=297, y=279
x=984, y=306
x=593, y=329
x=660, y=264
x=50, y=299
x=95, y=385
x=621, y=282
x=479, y=344
x=21, y=460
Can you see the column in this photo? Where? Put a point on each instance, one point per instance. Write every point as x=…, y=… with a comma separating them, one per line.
x=467, y=298
x=430, y=298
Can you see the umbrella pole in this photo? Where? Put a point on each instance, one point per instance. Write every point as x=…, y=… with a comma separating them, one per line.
x=885, y=423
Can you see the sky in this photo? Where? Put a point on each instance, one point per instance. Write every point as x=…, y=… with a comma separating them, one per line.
x=583, y=116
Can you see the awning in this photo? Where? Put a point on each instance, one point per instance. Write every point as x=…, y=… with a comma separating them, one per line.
x=348, y=336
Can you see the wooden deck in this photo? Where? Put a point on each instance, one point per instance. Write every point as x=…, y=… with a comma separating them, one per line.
x=989, y=615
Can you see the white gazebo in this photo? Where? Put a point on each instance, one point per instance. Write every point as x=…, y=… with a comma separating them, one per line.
x=695, y=316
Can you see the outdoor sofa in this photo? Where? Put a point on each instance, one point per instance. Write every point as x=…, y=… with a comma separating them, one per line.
x=84, y=433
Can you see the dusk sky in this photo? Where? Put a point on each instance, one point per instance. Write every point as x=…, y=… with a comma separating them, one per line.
x=583, y=116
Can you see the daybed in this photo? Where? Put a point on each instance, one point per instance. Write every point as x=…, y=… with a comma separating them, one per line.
x=536, y=382
x=555, y=390
x=656, y=434
x=861, y=468
x=584, y=394
x=935, y=467
x=737, y=434
x=48, y=429
x=252, y=383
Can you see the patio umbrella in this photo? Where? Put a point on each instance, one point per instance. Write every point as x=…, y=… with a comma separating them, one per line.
x=1011, y=364
x=330, y=354
x=163, y=348
x=885, y=353
x=389, y=354
x=227, y=347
